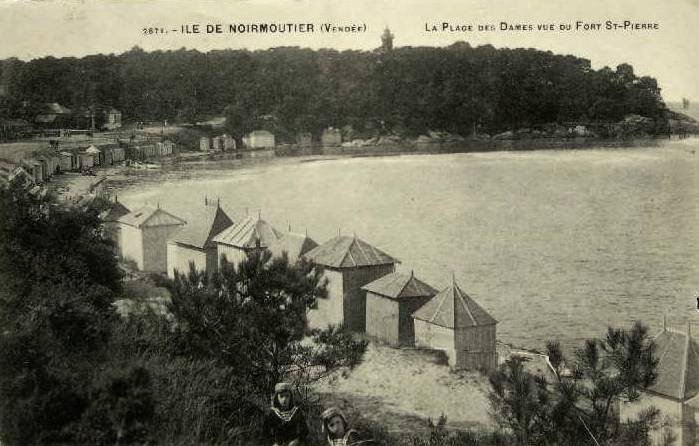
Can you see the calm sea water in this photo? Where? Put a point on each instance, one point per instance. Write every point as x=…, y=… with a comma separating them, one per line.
x=554, y=244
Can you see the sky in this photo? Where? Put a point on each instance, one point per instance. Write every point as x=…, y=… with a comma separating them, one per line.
x=37, y=28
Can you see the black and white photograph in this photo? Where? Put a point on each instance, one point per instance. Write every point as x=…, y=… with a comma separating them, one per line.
x=330, y=223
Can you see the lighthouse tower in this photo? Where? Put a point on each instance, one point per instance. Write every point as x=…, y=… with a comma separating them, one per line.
x=386, y=40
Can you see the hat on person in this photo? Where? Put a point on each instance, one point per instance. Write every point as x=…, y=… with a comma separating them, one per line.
x=329, y=413
x=282, y=387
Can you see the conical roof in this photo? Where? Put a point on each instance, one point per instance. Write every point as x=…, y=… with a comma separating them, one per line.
x=452, y=308
x=115, y=211
x=203, y=227
x=400, y=285
x=678, y=369
x=251, y=232
x=295, y=245
x=149, y=216
x=348, y=252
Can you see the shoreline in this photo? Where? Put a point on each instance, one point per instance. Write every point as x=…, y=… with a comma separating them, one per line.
x=113, y=179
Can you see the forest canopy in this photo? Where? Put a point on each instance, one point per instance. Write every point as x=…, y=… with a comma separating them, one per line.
x=458, y=88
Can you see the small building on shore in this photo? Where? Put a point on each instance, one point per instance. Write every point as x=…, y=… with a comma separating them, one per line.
x=110, y=223
x=331, y=137
x=194, y=244
x=676, y=390
x=259, y=139
x=390, y=303
x=229, y=144
x=251, y=234
x=205, y=144
x=35, y=169
x=348, y=263
x=67, y=161
x=453, y=322
x=144, y=236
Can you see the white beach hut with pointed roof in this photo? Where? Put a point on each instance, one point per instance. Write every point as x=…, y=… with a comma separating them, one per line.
x=452, y=321
x=249, y=235
x=390, y=302
x=348, y=263
x=144, y=236
x=194, y=244
x=675, y=392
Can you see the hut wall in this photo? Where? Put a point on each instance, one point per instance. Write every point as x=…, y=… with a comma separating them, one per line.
x=233, y=254
x=406, y=326
x=475, y=348
x=179, y=257
x=354, y=305
x=382, y=318
x=211, y=258
x=132, y=244
x=329, y=310
x=118, y=154
x=66, y=163
x=429, y=335
x=155, y=246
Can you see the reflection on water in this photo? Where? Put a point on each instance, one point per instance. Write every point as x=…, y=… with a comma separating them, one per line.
x=552, y=243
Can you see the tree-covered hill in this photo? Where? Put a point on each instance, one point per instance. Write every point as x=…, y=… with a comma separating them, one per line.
x=457, y=88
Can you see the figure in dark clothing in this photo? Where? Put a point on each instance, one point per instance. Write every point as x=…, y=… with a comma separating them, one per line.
x=285, y=425
x=337, y=429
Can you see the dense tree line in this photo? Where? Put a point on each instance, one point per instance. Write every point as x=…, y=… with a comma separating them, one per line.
x=457, y=88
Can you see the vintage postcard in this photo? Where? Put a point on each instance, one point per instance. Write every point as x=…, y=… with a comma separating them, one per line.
x=307, y=222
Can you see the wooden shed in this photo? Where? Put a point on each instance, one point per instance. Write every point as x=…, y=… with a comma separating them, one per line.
x=144, y=236
x=452, y=321
x=67, y=161
x=259, y=139
x=390, y=303
x=195, y=242
x=675, y=392
x=331, y=137
x=249, y=235
x=348, y=263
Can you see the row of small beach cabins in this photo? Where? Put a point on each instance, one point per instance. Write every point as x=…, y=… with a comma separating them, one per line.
x=365, y=292
x=367, y=295
x=38, y=169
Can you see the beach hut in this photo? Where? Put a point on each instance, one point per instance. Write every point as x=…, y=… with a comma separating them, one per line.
x=294, y=245
x=205, y=144
x=111, y=119
x=249, y=235
x=259, y=139
x=676, y=390
x=195, y=242
x=144, y=236
x=118, y=154
x=110, y=223
x=96, y=154
x=390, y=303
x=35, y=169
x=228, y=143
x=67, y=161
x=348, y=263
x=331, y=137
x=453, y=322
x=23, y=174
